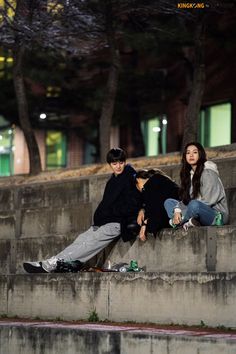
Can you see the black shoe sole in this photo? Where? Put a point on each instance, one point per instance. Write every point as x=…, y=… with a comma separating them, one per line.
x=29, y=268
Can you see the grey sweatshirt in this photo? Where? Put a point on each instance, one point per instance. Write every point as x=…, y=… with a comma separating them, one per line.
x=212, y=191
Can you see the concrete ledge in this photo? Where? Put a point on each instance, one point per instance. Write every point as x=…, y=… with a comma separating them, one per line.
x=55, y=221
x=56, y=338
x=199, y=250
x=40, y=209
x=14, y=252
x=62, y=194
x=180, y=298
x=39, y=222
x=7, y=225
x=231, y=198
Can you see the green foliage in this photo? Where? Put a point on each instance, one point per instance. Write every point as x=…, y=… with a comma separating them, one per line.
x=202, y=324
x=223, y=328
x=93, y=316
x=4, y=315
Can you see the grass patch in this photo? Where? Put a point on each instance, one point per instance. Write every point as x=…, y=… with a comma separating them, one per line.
x=93, y=316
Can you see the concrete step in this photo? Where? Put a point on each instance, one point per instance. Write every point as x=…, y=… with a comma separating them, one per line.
x=148, y=297
x=231, y=198
x=200, y=249
x=184, y=283
x=44, y=220
x=54, y=208
x=13, y=252
x=59, y=338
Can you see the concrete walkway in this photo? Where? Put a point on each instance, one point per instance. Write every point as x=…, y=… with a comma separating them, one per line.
x=139, y=328
x=33, y=337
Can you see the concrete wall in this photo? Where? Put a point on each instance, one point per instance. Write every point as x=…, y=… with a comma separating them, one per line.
x=197, y=250
x=38, y=220
x=47, y=338
x=157, y=297
x=51, y=208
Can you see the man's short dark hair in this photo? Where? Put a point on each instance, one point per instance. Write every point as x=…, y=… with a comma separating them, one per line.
x=116, y=154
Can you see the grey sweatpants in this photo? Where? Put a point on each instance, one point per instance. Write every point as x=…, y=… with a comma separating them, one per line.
x=86, y=245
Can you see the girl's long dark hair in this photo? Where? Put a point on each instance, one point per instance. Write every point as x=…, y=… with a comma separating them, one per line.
x=145, y=174
x=185, y=178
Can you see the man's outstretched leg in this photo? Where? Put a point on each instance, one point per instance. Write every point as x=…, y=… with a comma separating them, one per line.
x=85, y=246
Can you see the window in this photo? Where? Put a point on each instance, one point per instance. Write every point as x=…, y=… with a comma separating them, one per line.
x=6, y=62
x=6, y=152
x=155, y=135
x=215, y=125
x=55, y=149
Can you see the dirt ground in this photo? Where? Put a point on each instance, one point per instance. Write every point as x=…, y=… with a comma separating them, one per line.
x=96, y=169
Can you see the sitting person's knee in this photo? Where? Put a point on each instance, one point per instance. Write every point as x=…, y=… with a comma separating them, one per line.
x=166, y=203
x=193, y=206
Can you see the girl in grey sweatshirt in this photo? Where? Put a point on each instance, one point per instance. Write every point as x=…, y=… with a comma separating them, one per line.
x=202, y=195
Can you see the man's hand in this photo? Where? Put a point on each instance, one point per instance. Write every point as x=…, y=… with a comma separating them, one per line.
x=140, y=218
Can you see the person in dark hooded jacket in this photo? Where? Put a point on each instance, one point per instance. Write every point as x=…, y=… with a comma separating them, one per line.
x=155, y=188
x=119, y=203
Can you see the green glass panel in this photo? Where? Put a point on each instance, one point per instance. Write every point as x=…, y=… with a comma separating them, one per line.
x=155, y=135
x=215, y=125
x=220, y=125
x=5, y=162
x=6, y=154
x=56, y=149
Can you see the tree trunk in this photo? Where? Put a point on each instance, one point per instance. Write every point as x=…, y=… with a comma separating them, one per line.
x=34, y=156
x=23, y=11
x=197, y=89
x=137, y=136
x=110, y=92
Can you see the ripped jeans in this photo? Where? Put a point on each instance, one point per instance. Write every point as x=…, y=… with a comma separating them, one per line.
x=195, y=209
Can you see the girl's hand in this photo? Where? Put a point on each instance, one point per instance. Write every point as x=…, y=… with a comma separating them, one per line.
x=140, y=217
x=142, y=235
x=177, y=218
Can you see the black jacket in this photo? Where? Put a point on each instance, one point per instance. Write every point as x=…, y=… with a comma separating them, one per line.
x=156, y=190
x=121, y=200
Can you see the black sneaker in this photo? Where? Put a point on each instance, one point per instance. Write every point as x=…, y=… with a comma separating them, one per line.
x=68, y=266
x=34, y=267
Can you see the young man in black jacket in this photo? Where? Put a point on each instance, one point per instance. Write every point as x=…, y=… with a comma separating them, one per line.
x=120, y=203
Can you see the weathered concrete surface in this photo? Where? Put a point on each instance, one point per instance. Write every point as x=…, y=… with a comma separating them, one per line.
x=52, y=338
x=186, y=298
x=213, y=153
x=198, y=250
x=41, y=209
x=55, y=221
x=37, y=220
x=231, y=198
x=45, y=209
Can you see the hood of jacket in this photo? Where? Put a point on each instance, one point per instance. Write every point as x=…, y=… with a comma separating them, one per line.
x=210, y=165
